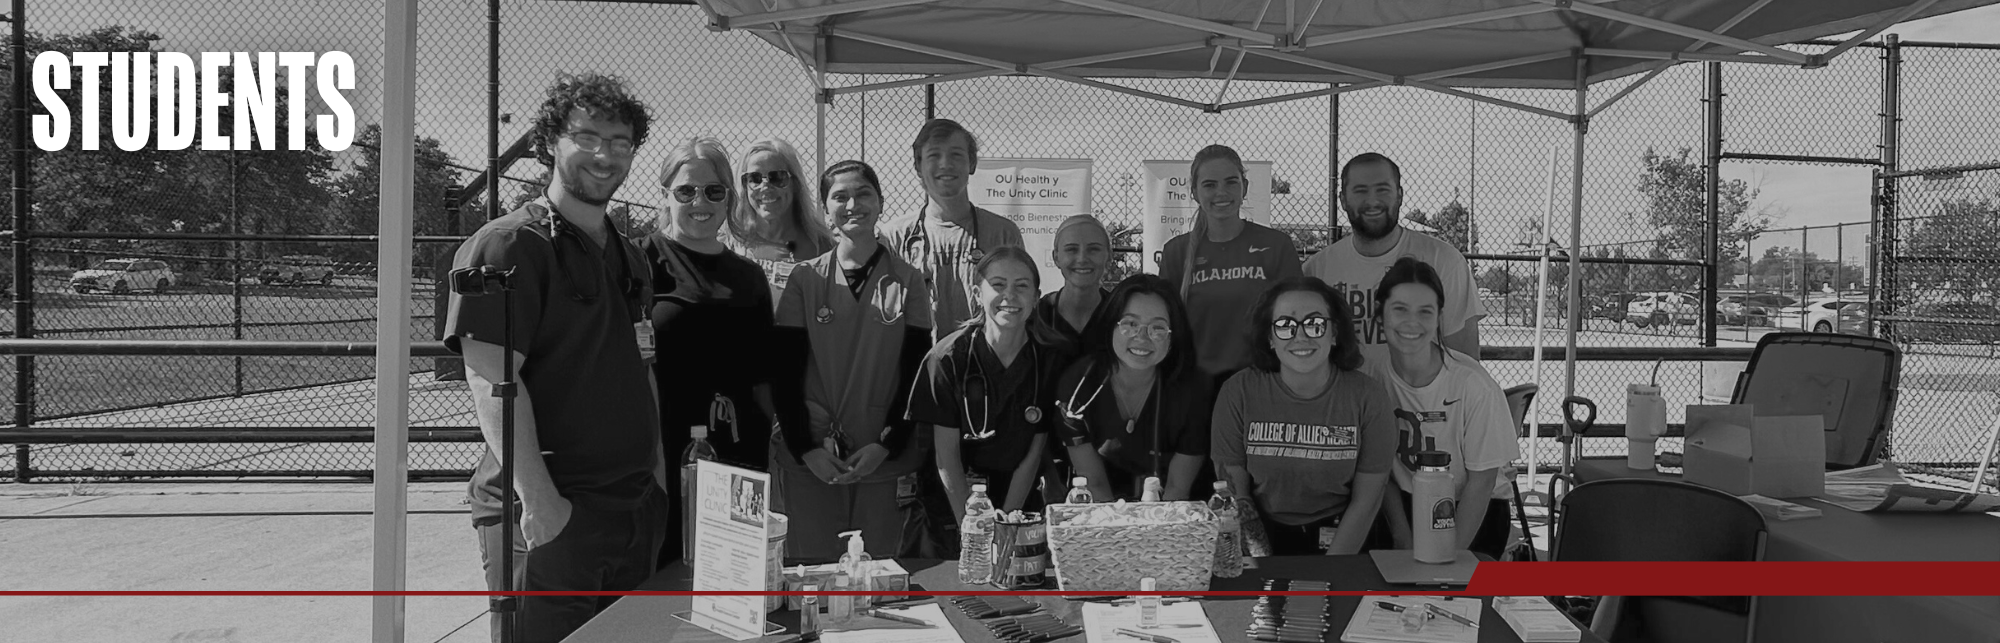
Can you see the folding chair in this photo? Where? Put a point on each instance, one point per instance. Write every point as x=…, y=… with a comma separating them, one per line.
x=1662, y=520
x=1849, y=379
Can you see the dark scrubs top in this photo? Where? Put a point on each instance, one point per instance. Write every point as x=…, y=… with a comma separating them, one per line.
x=997, y=410
x=713, y=314
x=1175, y=417
x=575, y=308
x=1047, y=316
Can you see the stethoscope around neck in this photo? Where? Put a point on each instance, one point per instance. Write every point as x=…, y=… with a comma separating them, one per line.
x=975, y=388
x=1074, y=412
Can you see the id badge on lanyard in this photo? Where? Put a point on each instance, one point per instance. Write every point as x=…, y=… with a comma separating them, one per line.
x=644, y=331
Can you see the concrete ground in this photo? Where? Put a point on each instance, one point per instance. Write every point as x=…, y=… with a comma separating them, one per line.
x=226, y=537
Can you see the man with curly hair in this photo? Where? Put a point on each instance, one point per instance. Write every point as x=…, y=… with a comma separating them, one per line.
x=588, y=471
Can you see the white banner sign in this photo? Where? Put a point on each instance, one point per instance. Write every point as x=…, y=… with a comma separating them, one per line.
x=1169, y=206
x=1037, y=194
x=731, y=508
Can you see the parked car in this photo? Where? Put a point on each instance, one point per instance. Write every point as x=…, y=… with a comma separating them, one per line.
x=1853, y=318
x=123, y=275
x=1608, y=306
x=1952, y=322
x=297, y=269
x=1761, y=306
x=1818, y=315
x=1662, y=308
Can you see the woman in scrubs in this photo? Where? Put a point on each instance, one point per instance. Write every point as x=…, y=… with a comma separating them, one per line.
x=1136, y=406
x=855, y=323
x=985, y=389
x=1083, y=254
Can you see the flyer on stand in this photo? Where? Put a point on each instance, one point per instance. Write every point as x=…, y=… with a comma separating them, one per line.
x=731, y=507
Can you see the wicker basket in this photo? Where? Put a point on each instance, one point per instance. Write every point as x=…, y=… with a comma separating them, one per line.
x=1178, y=552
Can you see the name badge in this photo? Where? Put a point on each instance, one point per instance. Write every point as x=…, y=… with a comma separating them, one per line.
x=1326, y=537
x=644, y=331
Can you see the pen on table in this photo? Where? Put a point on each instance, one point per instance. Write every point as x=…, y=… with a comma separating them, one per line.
x=1151, y=638
x=899, y=618
x=1434, y=609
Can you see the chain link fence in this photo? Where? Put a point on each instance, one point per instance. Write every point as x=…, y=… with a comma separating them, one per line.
x=1493, y=181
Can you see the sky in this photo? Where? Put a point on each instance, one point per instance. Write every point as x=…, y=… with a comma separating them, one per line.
x=738, y=88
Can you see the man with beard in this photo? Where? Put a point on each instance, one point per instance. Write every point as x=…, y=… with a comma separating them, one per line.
x=1371, y=191
x=588, y=471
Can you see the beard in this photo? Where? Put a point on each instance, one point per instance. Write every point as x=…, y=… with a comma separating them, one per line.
x=1366, y=231
x=574, y=186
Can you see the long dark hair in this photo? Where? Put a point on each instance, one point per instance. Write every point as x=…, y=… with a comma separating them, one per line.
x=1346, y=353
x=843, y=167
x=1409, y=270
x=1180, y=344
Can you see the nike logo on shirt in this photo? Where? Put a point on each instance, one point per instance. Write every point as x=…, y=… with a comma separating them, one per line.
x=1451, y=402
x=1257, y=249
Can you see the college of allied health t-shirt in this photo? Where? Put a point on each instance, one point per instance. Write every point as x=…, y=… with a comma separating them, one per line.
x=1228, y=277
x=1462, y=412
x=1302, y=452
x=1344, y=268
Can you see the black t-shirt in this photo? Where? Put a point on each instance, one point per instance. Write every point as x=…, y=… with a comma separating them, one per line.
x=996, y=410
x=712, y=315
x=1048, y=316
x=1176, y=411
x=575, y=308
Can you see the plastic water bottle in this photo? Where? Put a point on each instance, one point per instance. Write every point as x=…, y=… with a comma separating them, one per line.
x=1645, y=422
x=1434, y=509
x=1255, y=541
x=1228, y=533
x=975, y=539
x=697, y=450
x=1079, y=491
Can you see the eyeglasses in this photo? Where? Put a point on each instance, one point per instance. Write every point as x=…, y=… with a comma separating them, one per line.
x=1286, y=328
x=714, y=192
x=1149, y=331
x=592, y=142
x=776, y=178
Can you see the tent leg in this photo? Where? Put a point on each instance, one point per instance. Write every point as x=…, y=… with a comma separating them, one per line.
x=392, y=323
x=1581, y=124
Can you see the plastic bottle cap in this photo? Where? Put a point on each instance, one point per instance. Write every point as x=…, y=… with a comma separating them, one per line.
x=979, y=488
x=1146, y=584
x=1079, y=481
x=1221, y=485
x=1433, y=459
x=699, y=431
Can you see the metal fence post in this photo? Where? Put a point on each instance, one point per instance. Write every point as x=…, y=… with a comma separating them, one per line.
x=1711, y=207
x=236, y=268
x=24, y=265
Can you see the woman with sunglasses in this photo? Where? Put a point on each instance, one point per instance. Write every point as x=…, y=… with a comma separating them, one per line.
x=853, y=325
x=1307, y=437
x=709, y=306
x=1082, y=253
x=1221, y=264
x=775, y=223
x=1445, y=401
x=1136, y=406
x=985, y=390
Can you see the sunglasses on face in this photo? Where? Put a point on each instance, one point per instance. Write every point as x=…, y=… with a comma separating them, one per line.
x=776, y=178
x=1285, y=328
x=714, y=192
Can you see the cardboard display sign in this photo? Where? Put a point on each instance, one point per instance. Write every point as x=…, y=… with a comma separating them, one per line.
x=1732, y=450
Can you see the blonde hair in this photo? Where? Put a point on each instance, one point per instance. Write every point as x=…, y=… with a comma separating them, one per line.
x=701, y=149
x=745, y=227
x=1199, y=230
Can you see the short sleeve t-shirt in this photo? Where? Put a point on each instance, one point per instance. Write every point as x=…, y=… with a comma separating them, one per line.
x=776, y=260
x=1344, y=268
x=1462, y=412
x=1172, y=420
x=946, y=254
x=854, y=369
x=1303, y=452
x=712, y=314
x=575, y=308
x=997, y=410
x=1227, y=279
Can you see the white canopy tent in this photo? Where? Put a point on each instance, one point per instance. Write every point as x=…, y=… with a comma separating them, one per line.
x=1435, y=45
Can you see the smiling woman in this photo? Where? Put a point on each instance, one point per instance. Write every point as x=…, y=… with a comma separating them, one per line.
x=713, y=317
